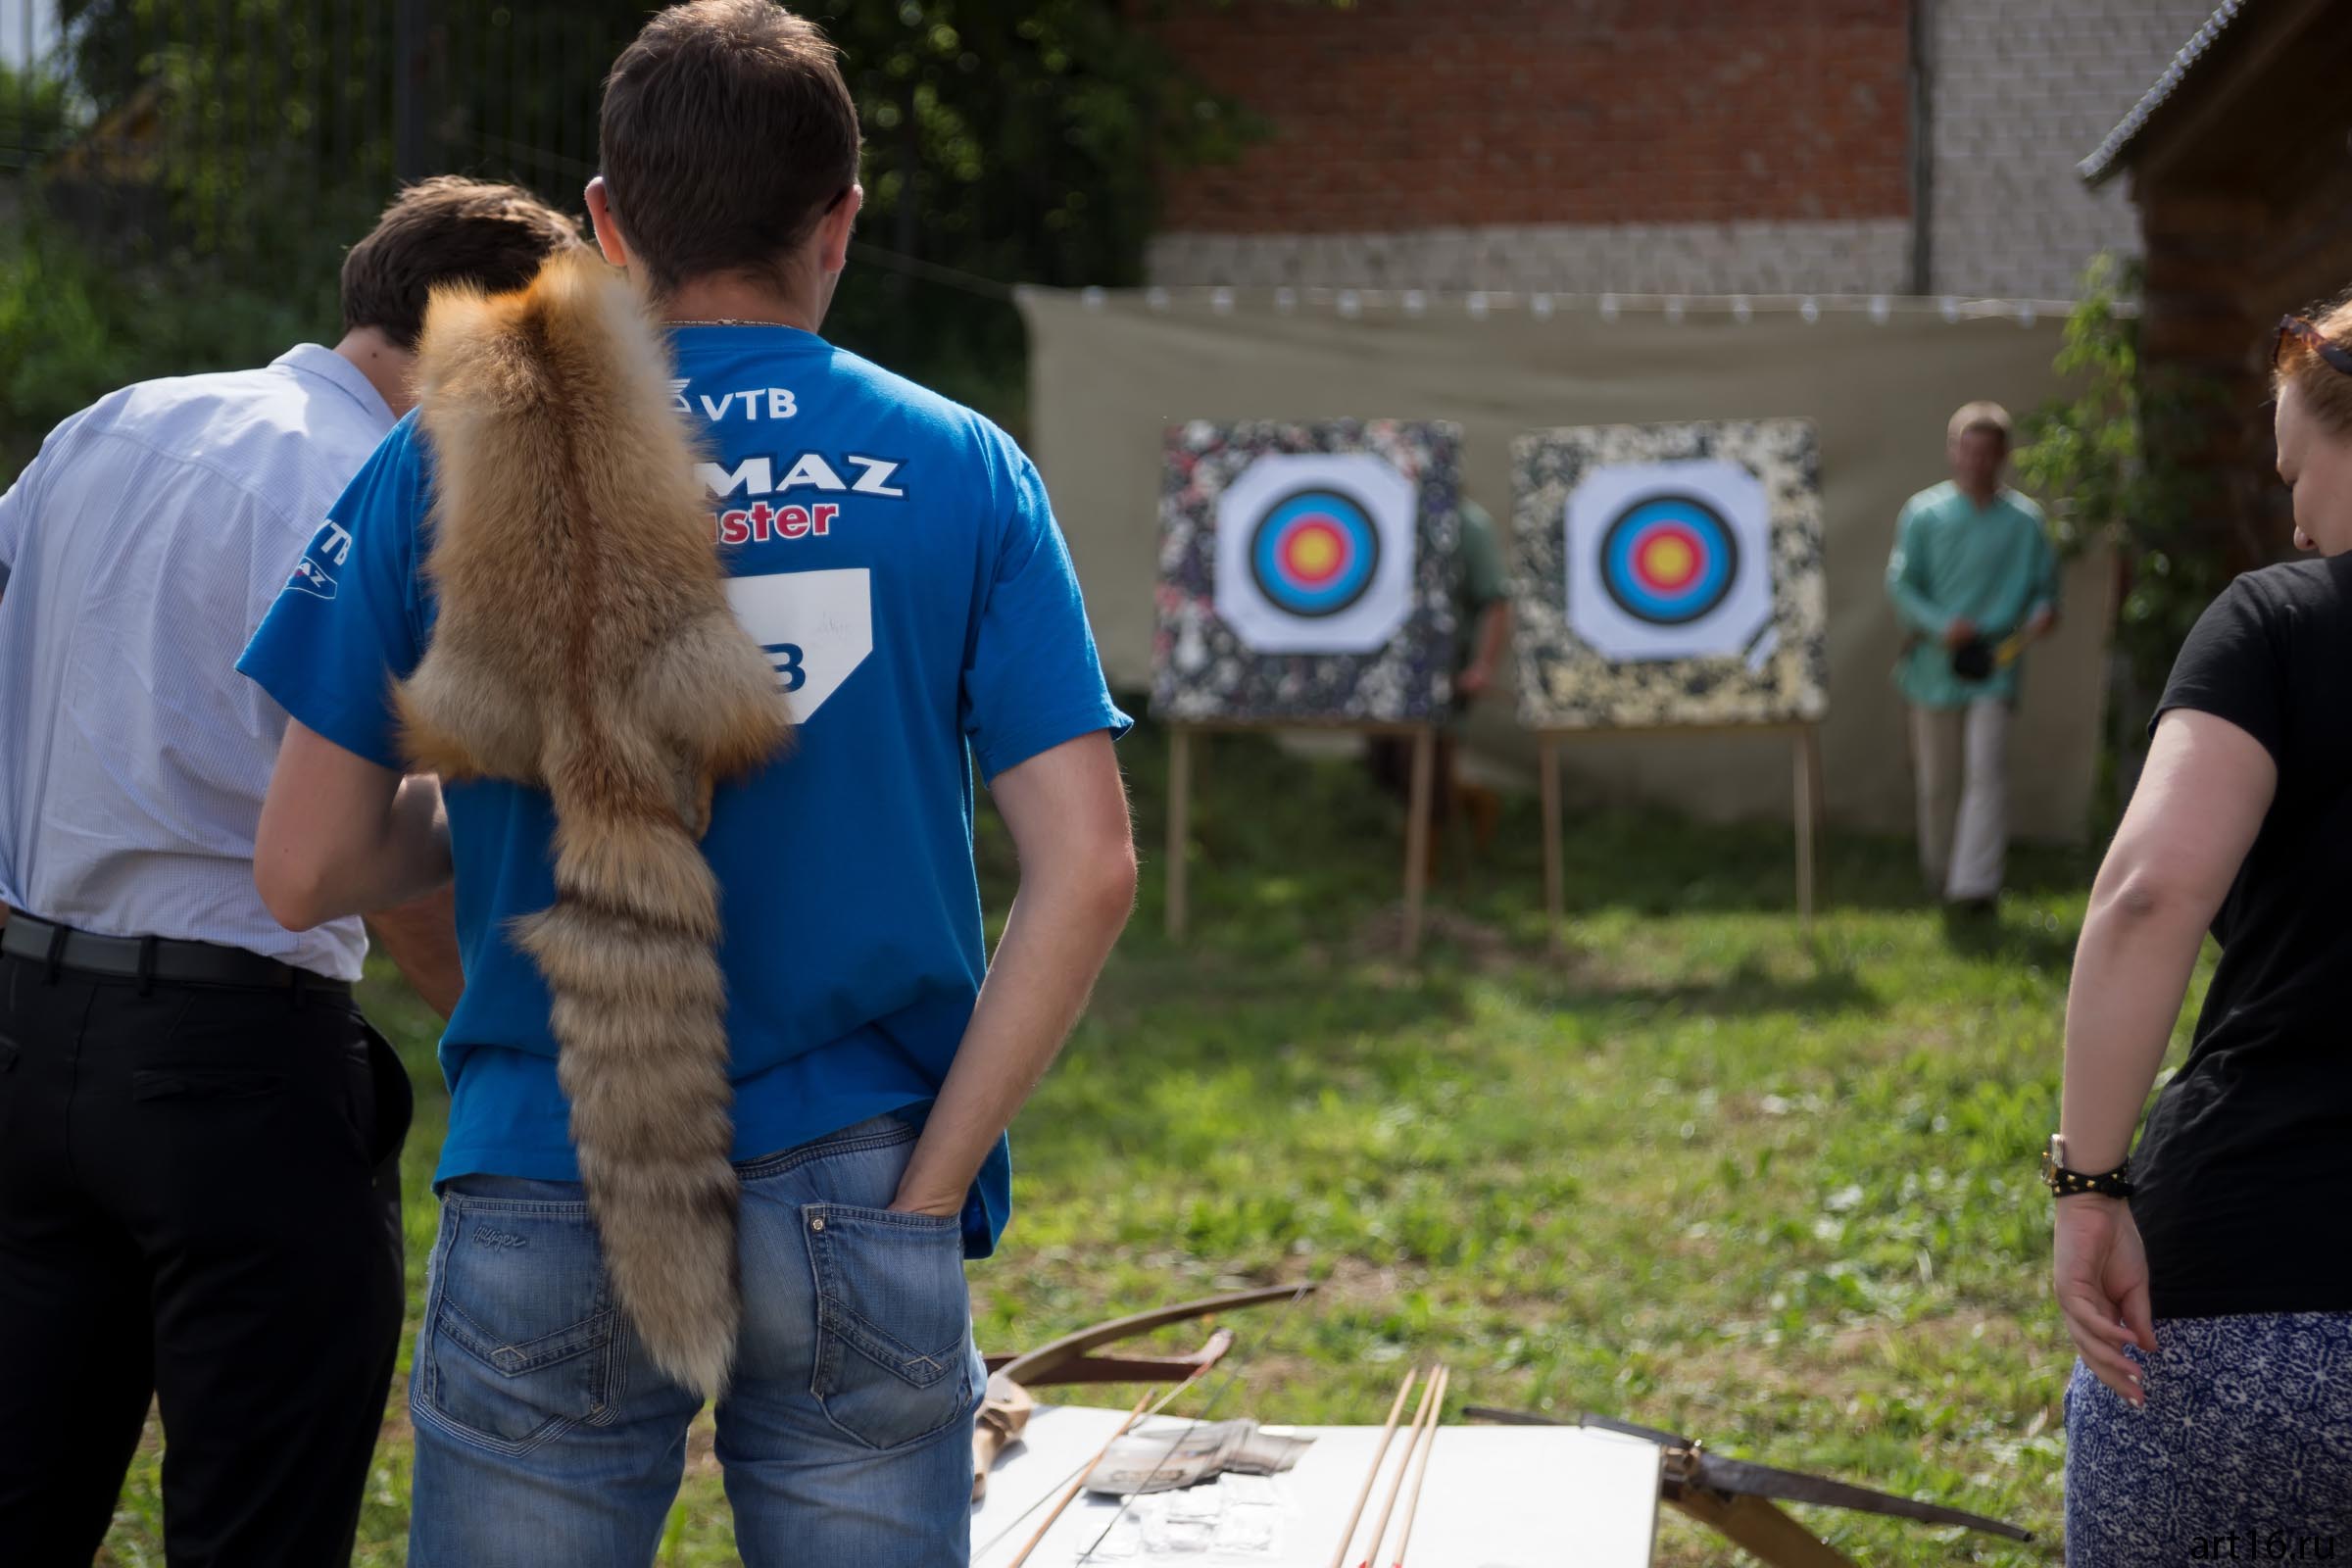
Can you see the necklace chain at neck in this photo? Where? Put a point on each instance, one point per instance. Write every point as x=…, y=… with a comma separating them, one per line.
x=723, y=320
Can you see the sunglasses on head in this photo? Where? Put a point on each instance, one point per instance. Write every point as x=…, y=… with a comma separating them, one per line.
x=2338, y=357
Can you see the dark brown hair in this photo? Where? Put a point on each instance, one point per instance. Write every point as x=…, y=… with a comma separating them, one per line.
x=727, y=132
x=441, y=232
x=2327, y=392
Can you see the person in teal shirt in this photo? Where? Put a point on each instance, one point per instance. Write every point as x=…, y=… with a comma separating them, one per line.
x=1974, y=580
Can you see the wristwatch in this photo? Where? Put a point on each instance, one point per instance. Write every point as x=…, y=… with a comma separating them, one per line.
x=2065, y=1183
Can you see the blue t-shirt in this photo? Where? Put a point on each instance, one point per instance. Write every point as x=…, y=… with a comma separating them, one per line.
x=896, y=556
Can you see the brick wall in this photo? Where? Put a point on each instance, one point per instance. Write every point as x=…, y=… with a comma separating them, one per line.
x=1677, y=146
x=2022, y=90
x=1414, y=114
x=2224, y=264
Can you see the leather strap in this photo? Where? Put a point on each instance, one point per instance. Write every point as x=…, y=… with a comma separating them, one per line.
x=151, y=961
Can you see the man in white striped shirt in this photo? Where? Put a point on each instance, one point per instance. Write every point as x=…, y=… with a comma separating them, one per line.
x=199, y=1134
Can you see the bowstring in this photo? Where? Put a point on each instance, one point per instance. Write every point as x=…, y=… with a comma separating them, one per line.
x=1193, y=1424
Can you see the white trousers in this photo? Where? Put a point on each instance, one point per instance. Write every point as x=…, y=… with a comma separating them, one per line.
x=1960, y=757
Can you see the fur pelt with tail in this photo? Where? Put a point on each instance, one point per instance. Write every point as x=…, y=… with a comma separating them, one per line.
x=584, y=646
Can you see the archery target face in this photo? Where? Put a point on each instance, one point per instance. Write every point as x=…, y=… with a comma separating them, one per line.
x=1316, y=552
x=1670, y=560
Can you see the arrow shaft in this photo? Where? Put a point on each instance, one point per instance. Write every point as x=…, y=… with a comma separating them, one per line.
x=1388, y=1433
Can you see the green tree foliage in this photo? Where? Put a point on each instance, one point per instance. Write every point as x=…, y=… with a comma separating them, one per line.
x=1006, y=140
x=2104, y=460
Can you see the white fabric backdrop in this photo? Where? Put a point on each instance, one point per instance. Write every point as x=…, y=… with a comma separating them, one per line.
x=1112, y=371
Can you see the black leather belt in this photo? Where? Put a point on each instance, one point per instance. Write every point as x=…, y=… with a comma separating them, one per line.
x=152, y=958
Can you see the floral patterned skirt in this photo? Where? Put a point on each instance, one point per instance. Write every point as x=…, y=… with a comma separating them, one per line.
x=2243, y=1452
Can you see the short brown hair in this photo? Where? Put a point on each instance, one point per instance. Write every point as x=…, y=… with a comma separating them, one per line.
x=727, y=132
x=1980, y=417
x=2325, y=391
x=441, y=232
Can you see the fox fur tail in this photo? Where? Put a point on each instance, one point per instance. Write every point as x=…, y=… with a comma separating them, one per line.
x=584, y=646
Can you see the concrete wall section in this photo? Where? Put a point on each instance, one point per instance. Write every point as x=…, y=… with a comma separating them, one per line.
x=2022, y=90
x=1851, y=256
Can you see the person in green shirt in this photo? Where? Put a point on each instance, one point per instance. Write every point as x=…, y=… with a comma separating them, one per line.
x=1482, y=605
x=1974, y=580
x=1482, y=618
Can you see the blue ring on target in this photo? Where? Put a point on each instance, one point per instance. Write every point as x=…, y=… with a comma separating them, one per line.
x=1669, y=560
x=1315, y=552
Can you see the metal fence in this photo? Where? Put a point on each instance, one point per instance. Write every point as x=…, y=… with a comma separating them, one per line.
x=218, y=124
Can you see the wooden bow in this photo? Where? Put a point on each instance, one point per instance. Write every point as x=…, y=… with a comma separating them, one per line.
x=1737, y=1498
x=1071, y=1359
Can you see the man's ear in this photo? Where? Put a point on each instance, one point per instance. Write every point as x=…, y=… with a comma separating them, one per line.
x=607, y=233
x=833, y=248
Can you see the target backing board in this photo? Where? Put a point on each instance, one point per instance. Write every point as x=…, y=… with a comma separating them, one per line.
x=1670, y=574
x=1304, y=572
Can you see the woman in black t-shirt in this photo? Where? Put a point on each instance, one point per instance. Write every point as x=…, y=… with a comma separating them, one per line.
x=2209, y=1286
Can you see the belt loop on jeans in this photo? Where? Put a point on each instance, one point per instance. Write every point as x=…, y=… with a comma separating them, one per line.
x=147, y=965
x=57, y=952
x=300, y=988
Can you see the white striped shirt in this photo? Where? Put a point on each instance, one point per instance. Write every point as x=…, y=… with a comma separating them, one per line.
x=137, y=553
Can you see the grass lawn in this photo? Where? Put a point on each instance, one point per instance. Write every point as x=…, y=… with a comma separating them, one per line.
x=1697, y=1171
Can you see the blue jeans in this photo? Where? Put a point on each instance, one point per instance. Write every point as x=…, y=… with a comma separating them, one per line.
x=545, y=1436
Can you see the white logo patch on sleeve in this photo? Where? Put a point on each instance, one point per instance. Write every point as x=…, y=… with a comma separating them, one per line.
x=310, y=577
x=816, y=627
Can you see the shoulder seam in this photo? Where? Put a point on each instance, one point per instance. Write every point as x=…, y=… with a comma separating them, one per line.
x=243, y=487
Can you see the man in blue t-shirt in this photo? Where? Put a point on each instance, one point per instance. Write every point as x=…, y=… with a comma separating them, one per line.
x=896, y=557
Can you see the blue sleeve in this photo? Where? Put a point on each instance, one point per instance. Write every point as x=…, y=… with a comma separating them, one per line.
x=346, y=625
x=1031, y=677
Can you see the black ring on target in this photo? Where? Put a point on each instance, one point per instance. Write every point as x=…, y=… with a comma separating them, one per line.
x=1669, y=560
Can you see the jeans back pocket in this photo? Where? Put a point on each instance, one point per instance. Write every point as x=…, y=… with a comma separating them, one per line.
x=521, y=1330
x=894, y=1321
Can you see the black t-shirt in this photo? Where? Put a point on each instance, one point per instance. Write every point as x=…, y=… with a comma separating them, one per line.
x=2240, y=1171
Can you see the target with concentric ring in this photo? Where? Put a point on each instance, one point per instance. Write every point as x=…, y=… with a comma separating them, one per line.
x=1314, y=552
x=1669, y=560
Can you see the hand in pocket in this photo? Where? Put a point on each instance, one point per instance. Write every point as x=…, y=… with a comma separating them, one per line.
x=894, y=1321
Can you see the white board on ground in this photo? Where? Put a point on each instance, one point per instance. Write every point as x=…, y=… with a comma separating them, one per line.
x=1495, y=1497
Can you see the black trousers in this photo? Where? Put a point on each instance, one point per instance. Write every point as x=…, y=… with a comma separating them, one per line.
x=199, y=1202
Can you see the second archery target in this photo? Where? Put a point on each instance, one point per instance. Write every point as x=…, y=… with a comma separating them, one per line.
x=1669, y=560
x=1671, y=575
x=1304, y=572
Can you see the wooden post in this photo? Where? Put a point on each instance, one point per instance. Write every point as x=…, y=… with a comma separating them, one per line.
x=1806, y=746
x=1180, y=823
x=1416, y=835
x=1821, y=814
x=1547, y=751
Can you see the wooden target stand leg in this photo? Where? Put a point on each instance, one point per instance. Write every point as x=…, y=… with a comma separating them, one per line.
x=1416, y=835
x=1555, y=894
x=1416, y=825
x=1180, y=823
x=1804, y=742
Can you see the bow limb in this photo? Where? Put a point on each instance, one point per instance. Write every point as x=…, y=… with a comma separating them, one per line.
x=1068, y=1359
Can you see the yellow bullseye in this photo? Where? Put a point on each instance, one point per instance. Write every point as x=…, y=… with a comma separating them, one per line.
x=1315, y=554
x=1668, y=561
